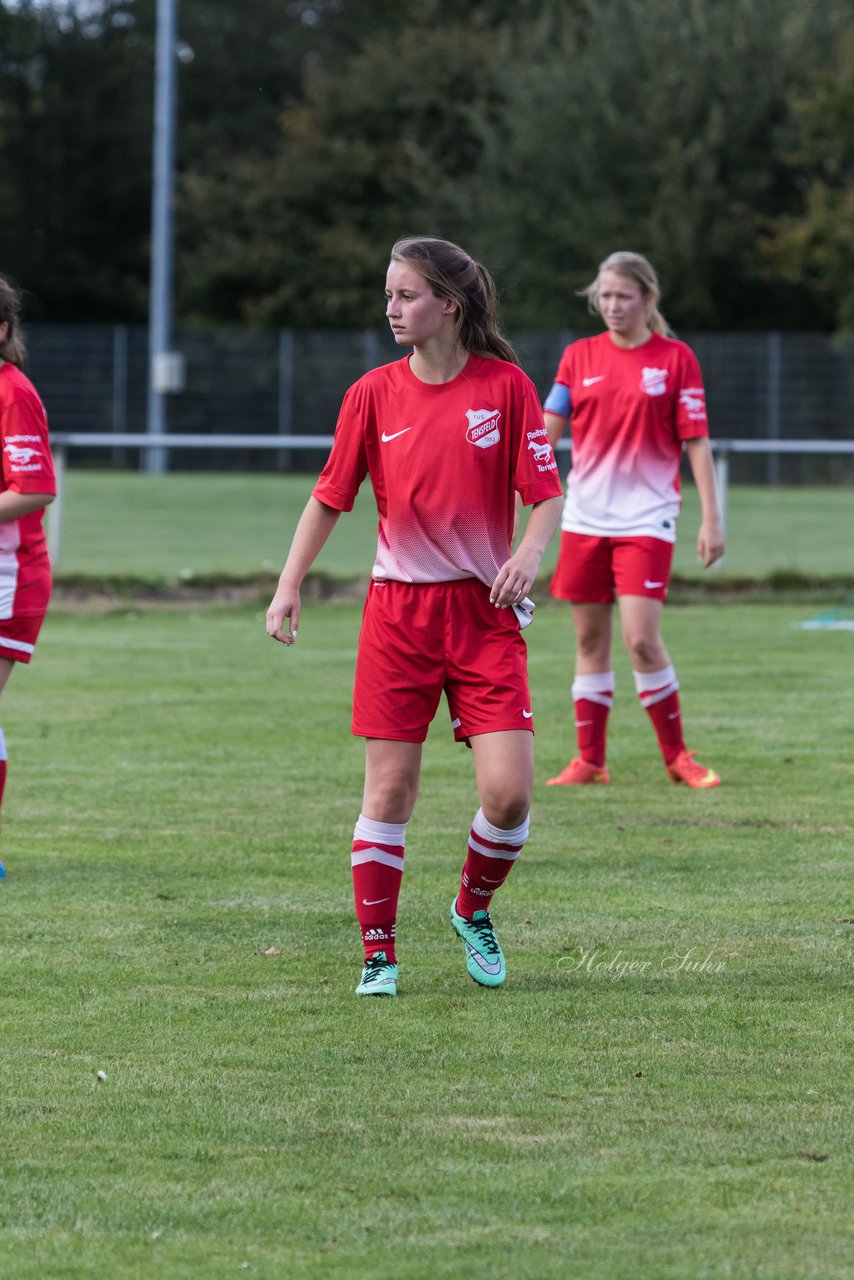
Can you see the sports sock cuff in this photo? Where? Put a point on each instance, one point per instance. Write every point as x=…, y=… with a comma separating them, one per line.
x=646, y=681
x=595, y=682
x=486, y=831
x=3, y=753
x=380, y=832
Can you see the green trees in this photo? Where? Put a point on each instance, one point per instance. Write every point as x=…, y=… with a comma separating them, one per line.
x=714, y=135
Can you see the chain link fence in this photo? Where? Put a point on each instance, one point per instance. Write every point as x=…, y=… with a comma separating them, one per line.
x=768, y=386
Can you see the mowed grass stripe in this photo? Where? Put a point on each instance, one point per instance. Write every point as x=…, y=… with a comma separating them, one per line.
x=190, y=524
x=178, y=914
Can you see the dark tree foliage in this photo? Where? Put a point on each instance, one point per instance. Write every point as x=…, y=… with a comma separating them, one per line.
x=75, y=154
x=714, y=135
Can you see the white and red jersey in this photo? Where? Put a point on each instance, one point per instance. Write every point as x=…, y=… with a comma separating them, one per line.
x=446, y=461
x=27, y=468
x=631, y=408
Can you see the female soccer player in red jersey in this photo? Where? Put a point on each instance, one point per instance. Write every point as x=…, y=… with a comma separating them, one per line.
x=636, y=399
x=448, y=435
x=27, y=485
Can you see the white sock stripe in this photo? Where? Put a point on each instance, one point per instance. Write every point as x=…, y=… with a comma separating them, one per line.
x=595, y=682
x=647, y=681
x=650, y=699
x=503, y=854
x=515, y=835
x=358, y=859
x=604, y=699
x=3, y=752
x=381, y=832
x=6, y=643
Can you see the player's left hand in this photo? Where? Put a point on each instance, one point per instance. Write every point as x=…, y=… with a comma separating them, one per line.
x=710, y=543
x=514, y=579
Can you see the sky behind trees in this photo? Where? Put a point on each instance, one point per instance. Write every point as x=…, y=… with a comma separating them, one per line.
x=716, y=136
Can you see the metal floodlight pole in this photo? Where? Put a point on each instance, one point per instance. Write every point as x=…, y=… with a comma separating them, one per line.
x=160, y=296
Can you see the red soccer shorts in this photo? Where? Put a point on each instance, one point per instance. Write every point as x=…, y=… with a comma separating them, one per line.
x=594, y=570
x=420, y=640
x=18, y=637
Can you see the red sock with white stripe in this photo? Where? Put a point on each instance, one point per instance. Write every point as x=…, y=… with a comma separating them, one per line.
x=4, y=765
x=377, y=861
x=489, y=861
x=592, y=696
x=659, y=695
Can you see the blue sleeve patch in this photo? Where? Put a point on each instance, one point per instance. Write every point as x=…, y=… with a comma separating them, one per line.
x=558, y=401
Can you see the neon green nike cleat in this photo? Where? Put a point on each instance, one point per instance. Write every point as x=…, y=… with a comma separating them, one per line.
x=484, y=957
x=379, y=977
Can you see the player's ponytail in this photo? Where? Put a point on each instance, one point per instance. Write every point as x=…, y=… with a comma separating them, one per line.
x=634, y=266
x=12, y=346
x=452, y=273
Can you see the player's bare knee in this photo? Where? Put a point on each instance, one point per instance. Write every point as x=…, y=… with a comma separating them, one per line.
x=592, y=645
x=643, y=651
x=506, y=811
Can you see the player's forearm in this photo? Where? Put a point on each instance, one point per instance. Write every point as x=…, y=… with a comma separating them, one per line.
x=703, y=470
x=315, y=525
x=14, y=505
x=555, y=425
x=542, y=523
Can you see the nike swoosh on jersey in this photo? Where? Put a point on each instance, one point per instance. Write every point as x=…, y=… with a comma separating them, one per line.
x=488, y=966
x=385, y=438
x=528, y=715
x=652, y=586
x=588, y=382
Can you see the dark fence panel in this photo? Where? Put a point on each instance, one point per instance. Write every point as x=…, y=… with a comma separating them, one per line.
x=787, y=386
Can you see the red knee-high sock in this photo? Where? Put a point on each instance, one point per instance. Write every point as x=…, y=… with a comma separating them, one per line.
x=659, y=695
x=489, y=861
x=377, y=861
x=4, y=765
x=592, y=697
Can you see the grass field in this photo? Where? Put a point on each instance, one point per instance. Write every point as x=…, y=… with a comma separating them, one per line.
x=166, y=527
x=662, y=1089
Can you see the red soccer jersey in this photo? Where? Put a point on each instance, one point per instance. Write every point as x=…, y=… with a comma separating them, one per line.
x=27, y=468
x=631, y=409
x=446, y=462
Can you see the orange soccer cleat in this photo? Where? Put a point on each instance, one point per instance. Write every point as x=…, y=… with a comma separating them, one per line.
x=579, y=773
x=688, y=770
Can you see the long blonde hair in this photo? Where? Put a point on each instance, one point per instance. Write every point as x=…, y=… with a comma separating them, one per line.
x=452, y=273
x=634, y=266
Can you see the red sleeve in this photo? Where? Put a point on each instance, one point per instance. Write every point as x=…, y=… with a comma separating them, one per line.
x=691, y=420
x=27, y=460
x=347, y=466
x=536, y=477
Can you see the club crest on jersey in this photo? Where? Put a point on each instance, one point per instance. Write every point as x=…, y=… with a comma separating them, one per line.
x=654, y=381
x=483, y=427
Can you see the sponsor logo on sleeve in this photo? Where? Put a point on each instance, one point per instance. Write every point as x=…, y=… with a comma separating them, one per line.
x=653, y=381
x=21, y=457
x=693, y=401
x=538, y=443
x=483, y=428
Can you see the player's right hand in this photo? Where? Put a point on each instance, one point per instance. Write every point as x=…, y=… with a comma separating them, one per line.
x=283, y=616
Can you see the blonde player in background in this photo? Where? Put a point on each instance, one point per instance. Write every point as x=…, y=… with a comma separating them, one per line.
x=635, y=398
x=448, y=435
x=27, y=485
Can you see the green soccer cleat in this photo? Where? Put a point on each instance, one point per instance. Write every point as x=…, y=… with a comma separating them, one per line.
x=379, y=977
x=484, y=957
